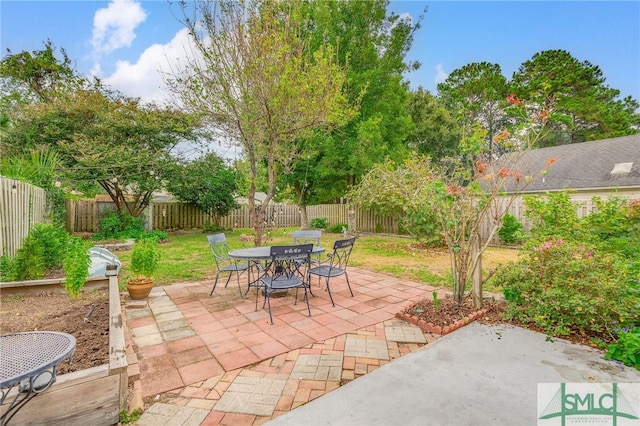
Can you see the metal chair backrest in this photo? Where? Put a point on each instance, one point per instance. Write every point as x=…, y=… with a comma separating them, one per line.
x=341, y=252
x=307, y=237
x=219, y=248
x=289, y=261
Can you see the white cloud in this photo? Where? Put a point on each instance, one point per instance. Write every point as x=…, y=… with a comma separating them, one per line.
x=441, y=74
x=143, y=79
x=113, y=26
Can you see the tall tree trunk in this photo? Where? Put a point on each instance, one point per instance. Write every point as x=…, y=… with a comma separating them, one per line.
x=302, y=204
x=304, y=217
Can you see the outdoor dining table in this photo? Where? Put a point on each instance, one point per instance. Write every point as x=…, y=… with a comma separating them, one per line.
x=28, y=363
x=257, y=255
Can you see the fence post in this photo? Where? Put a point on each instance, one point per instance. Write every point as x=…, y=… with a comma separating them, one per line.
x=351, y=222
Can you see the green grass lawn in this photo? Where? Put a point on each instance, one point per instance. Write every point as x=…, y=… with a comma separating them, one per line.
x=186, y=257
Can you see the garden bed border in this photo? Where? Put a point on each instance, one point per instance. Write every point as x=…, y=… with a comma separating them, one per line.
x=92, y=396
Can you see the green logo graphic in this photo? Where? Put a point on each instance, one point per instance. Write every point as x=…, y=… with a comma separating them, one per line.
x=588, y=404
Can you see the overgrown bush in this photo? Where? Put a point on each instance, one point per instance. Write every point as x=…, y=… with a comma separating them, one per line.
x=511, y=231
x=43, y=249
x=155, y=235
x=114, y=226
x=562, y=286
x=553, y=215
x=576, y=274
x=54, y=240
x=337, y=228
x=76, y=265
x=425, y=227
x=212, y=228
x=319, y=223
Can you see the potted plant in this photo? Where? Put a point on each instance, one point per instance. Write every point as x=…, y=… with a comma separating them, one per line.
x=144, y=261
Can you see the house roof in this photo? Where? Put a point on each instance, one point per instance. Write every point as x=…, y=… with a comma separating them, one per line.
x=602, y=164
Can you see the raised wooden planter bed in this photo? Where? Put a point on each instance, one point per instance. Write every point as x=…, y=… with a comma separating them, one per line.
x=93, y=396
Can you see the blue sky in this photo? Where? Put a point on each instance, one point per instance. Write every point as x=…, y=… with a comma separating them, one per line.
x=125, y=42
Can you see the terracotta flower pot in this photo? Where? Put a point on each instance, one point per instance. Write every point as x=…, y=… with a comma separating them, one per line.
x=139, y=288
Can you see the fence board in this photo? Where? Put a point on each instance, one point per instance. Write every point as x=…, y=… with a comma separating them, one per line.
x=21, y=209
x=172, y=215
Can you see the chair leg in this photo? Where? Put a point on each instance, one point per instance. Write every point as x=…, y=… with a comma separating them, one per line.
x=228, y=279
x=239, y=286
x=306, y=298
x=215, y=283
x=268, y=300
x=329, y=291
x=348, y=285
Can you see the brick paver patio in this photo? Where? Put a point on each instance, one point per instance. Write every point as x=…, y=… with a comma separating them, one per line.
x=197, y=359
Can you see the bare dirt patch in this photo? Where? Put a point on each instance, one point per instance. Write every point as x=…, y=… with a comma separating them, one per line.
x=86, y=318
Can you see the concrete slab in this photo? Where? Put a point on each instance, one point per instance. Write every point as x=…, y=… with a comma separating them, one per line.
x=477, y=375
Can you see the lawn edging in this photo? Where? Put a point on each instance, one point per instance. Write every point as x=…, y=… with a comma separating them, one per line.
x=436, y=329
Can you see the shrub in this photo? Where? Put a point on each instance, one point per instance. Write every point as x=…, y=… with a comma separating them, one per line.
x=43, y=249
x=319, y=223
x=552, y=216
x=76, y=265
x=155, y=235
x=511, y=231
x=425, y=227
x=54, y=240
x=29, y=261
x=212, y=228
x=562, y=285
x=337, y=228
x=7, y=268
x=114, y=226
x=626, y=349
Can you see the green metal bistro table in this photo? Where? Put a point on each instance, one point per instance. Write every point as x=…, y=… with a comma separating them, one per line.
x=254, y=256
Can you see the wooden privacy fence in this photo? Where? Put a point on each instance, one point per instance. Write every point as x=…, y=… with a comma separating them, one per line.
x=583, y=203
x=23, y=205
x=84, y=216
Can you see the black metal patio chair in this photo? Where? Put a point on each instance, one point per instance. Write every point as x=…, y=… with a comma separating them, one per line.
x=224, y=264
x=335, y=265
x=287, y=269
x=309, y=236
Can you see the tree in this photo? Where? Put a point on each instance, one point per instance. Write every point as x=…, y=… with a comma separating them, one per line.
x=206, y=183
x=255, y=80
x=372, y=44
x=38, y=167
x=36, y=75
x=581, y=106
x=436, y=133
x=459, y=197
x=106, y=138
x=476, y=94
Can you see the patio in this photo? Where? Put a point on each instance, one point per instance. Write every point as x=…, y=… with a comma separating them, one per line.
x=216, y=360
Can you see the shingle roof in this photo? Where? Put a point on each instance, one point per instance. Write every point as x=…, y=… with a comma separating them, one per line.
x=586, y=165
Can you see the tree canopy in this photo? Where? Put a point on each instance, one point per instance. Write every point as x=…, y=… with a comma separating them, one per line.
x=476, y=94
x=254, y=79
x=371, y=44
x=207, y=183
x=581, y=106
